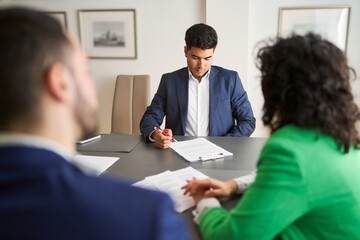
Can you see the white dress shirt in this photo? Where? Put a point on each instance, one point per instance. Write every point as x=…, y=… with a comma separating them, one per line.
x=198, y=106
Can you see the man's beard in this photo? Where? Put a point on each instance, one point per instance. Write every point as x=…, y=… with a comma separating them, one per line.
x=86, y=117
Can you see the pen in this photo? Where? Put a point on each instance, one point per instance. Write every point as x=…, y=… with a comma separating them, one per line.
x=163, y=133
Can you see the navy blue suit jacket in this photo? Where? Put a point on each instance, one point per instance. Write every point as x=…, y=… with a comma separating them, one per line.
x=43, y=196
x=228, y=101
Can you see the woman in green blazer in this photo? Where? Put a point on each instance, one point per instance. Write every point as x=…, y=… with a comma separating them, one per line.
x=308, y=173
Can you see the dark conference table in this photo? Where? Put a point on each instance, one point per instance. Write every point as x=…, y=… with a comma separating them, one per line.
x=146, y=160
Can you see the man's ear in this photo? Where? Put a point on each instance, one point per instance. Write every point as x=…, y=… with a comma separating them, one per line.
x=185, y=51
x=57, y=82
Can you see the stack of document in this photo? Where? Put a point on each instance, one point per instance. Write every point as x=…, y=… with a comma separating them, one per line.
x=171, y=183
x=199, y=149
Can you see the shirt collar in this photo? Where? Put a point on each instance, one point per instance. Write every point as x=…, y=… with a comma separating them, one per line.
x=205, y=77
x=14, y=139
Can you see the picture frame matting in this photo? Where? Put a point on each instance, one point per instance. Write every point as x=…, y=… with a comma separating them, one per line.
x=108, y=34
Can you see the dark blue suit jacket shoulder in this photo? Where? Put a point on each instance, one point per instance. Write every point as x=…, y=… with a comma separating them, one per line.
x=228, y=102
x=42, y=196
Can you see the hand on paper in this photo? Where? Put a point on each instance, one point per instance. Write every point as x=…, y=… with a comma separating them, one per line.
x=210, y=187
x=162, y=141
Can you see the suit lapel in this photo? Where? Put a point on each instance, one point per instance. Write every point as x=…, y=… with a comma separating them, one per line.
x=182, y=89
x=214, y=96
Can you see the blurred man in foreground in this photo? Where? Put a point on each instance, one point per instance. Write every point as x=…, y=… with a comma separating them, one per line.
x=47, y=101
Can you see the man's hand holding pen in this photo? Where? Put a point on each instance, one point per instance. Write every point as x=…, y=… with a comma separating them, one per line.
x=163, y=138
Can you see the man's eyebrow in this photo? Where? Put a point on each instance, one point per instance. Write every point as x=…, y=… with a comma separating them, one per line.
x=193, y=55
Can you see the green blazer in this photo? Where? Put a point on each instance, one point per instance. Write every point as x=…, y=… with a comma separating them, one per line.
x=305, y=188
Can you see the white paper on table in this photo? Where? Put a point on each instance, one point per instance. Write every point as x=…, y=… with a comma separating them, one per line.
x=199, y=149
x=189, y=173
x=93, y=164
x=160, y=175
x=146, y=183
x=171, y=183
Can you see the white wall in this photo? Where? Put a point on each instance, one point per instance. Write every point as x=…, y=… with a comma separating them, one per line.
x=230, y=20
x=161, y=26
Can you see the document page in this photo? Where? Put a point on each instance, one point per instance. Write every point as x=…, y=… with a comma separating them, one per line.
x=171, y=183
x=147, y=183
x=199, y=149
x=93, y=164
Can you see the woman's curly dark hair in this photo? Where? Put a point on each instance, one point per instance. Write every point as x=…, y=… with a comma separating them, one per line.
x=306, y=82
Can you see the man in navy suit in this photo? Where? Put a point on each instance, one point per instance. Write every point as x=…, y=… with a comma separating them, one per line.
x=200, y=99
x=47, y=100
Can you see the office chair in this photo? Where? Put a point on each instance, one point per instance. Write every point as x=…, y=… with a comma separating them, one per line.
x=131, y=97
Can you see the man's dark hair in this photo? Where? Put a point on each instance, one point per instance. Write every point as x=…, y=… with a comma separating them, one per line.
x=30, y=42
x=201, y=36
x=306, y=82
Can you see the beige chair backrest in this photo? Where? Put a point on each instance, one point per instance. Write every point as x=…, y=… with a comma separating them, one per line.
x=131, y=97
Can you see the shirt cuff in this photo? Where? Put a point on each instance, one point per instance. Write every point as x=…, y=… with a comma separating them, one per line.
x=244, y=182
x=150, y=139
x=204, y=205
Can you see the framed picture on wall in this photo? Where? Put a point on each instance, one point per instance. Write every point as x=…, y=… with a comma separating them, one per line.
x=60, y=16
x=332, y=23
x=108, y=33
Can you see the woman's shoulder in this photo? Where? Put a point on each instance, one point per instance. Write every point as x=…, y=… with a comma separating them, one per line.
x=297, y=139
x=291, y=136
x=294, y=133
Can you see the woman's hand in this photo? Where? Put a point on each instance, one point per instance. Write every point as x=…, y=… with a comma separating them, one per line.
x=210, y=187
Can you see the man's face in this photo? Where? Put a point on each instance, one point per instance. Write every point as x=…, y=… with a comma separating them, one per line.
x=85, y=102
x=199, y=61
